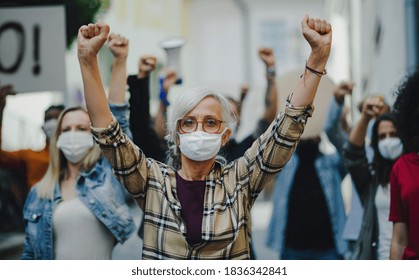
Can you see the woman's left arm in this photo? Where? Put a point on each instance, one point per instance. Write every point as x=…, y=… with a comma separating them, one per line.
x=270, y=152
x=318, y=33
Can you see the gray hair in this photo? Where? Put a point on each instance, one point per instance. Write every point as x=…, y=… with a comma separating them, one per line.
x=184, y=104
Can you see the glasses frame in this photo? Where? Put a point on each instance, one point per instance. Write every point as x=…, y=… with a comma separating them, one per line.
x=219, y=122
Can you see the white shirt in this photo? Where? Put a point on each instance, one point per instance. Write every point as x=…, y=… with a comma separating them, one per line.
x=78, y=234
x=385, y=227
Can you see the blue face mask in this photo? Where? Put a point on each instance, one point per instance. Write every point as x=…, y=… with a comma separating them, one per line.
x=390, y=148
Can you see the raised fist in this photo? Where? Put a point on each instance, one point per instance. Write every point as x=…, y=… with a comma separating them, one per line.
x=90, y=40
x=343, y=89
x=267, y=56
x=318, y=34
x=372, y=107
x=118, y=45
x=170, y=79
x=146, y=66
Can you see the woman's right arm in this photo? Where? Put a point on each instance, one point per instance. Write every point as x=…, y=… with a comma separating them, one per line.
x=90, y=39
x=128, y=162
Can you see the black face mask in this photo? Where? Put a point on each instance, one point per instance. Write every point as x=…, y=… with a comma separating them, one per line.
x=308, y=148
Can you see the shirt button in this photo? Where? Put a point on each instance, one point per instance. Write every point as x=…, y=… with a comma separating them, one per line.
x=91, y=201
x=374, y=244
x=115, y=144
x=34, y=216
x=123, y=140
x=104, y=215
x=182, y=227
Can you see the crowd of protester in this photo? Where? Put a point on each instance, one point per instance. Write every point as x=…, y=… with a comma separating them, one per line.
x=196, y=183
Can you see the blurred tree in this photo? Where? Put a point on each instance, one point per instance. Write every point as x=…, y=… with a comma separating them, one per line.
x=77, y=12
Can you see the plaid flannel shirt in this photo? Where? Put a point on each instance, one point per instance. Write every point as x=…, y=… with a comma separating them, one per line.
x=230, y=190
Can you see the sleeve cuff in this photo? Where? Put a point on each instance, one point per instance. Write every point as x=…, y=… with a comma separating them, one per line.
x=110, y=136
x=299, y=114
x=122, y=107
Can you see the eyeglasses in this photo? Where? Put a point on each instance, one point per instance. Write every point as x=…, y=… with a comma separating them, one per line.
x=209, y=124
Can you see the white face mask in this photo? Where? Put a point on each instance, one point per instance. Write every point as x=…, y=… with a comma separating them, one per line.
x=75, y=145
x=200, y=145
x=390, y=148
x=49, y=127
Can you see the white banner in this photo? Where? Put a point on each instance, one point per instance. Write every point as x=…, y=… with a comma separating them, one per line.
x=32, y=48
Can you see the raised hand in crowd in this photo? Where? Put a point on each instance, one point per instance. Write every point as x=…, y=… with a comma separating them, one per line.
x=90, y=39
x=271, y=95
x=344, y=88
x=142, y=125
x=318, y=33
x=267, y=56
x=372, y=108
x=168, y=79
x=146, y=65
x=118, y=45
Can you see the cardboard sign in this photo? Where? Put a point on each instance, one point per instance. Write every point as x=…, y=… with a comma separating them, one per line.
x=32, y=48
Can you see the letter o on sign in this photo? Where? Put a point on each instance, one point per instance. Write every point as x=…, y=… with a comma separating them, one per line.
x=18, y=29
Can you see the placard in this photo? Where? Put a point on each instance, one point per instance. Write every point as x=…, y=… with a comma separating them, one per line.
x=32, y=48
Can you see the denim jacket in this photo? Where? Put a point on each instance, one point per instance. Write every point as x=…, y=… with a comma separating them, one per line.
x=97, y=188
x=330, y=170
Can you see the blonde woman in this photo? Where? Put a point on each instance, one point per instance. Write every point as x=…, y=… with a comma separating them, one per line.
x=78, y=209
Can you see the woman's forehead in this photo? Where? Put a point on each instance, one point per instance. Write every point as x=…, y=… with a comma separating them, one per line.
x=77, y=117
x=385, y=126
x=209, y=106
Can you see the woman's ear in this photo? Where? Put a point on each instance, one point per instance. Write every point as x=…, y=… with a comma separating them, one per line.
x=225, y=137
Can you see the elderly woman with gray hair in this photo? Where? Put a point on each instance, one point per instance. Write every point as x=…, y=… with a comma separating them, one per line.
x=201, y=209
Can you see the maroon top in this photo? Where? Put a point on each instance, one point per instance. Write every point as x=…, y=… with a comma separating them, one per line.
x=191, y=196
